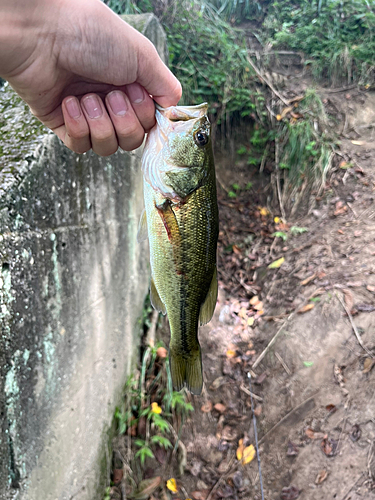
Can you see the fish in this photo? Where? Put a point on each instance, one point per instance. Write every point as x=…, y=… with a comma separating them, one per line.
x=181, y=222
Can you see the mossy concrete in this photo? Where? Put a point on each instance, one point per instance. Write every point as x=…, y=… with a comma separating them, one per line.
x=72, y=284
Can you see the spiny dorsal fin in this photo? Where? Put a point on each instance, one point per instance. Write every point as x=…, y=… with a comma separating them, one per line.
x=208, y=307
x=155, y=299
x=142, y=227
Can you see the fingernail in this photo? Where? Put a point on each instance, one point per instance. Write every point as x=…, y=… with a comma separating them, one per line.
x=92, y=106
x=135, y=93
x=117, y=103
x=72, y=107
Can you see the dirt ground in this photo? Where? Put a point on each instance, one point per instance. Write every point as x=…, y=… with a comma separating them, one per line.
x=314, y=388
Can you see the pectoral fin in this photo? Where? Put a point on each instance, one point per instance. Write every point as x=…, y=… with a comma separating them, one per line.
x=156, y=301
x=142, y=233
x=208, y=307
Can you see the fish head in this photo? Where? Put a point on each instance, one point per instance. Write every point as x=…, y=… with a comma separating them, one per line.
x=178, y=151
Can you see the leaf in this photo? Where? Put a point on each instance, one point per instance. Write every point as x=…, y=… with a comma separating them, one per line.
x=231, y=353
x=250, y=321
x=254, y=300
x=358, y=143
x=239, y=452
x=329, y=446
x=146, y=488
x=248, y=454
x=307, y=280
x=292, y=450
x=207, y=407
x=368, y=364
x=355, y=433
x=289, y=493
x=155, y=408
x=306, y=308
x=277, y=263
x=322, y=476
x=172, y=485
x=162, y=352
x=308, y=363
x=263, y=211
x=220, y=407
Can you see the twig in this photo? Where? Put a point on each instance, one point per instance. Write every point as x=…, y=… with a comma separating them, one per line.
x=263, y=78
x=249, y=393
x=355, y=330
x=256, y=439
x=287, y=416
x=285, y=366
x=343, y=89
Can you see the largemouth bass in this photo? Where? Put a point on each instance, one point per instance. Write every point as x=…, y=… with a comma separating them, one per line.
x=181, y=220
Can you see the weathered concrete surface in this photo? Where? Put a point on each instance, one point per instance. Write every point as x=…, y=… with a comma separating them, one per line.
x=72, y=285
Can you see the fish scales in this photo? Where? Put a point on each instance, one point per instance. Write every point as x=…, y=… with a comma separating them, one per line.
x=182, y=225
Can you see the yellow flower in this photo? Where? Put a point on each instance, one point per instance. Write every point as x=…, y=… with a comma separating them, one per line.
x=172, y=485
x=155, y=408
x=276, y=220
x=263, y=211
x=248, y=454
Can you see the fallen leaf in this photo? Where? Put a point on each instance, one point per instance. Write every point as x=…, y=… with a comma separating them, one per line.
x=348, y=298
x=220, y=407
x=365, y=308
x=370, y=288
x=236, y=249
x=172, y=485
x=260, y=378
x=277, y=263
x=289, y=493
x=331, y=408
x=207, y=407
x=258, y=410
x=311, y=434
x=308, y=363
x=155, y=408
x=218, y=382
x=368, y=364
x=329, y=446
x=263, y=211
x=306, y=308
x=285, y=111
x=358, y=143
x=240, y=449
x=322, y=476
x=307, y=280
x=117, y=475
x=292, y=450
x=248, y=454
x=162, y=352
x=146, y=488
x=254, y=300
x=200, y=494
x=229, y=434
x=354, y=284
x=259, y=306
x=250, y=321
x=355, y=433
x=339, y=377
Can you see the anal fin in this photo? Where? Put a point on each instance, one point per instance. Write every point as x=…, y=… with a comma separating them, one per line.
x=156, y=301
x=208, y=307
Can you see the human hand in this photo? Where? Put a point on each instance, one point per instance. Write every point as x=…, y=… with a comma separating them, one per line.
x=84, y=72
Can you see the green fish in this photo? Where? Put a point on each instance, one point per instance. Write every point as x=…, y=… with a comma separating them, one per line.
x=181, y=221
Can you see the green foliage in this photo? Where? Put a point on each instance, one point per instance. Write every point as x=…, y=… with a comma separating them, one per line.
x=280, y=234
x=336, y=35
x=295, y=230
x=144, y=451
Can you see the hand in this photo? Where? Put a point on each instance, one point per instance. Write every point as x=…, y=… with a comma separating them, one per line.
x=84, y=72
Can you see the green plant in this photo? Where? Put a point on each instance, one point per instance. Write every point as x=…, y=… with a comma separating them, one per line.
x=280, y=234
x=295, y=230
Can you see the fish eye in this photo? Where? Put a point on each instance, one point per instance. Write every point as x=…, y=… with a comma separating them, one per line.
x=201, y=138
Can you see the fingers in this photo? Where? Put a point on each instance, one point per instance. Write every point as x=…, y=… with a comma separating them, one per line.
x=122, y=121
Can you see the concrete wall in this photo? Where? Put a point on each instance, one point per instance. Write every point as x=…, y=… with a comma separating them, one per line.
x=72, y=285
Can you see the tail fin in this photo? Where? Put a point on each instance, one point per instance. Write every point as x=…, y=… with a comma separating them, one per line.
x=187, y=371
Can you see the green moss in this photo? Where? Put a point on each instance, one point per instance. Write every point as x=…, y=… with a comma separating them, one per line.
x=20, y=134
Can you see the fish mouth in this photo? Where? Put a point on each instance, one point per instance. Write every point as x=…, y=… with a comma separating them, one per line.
x=178, y=118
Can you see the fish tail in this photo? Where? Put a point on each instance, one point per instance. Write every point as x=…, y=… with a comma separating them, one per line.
x=187, y=371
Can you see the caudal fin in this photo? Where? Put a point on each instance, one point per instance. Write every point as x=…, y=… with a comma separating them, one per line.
x=187, y=371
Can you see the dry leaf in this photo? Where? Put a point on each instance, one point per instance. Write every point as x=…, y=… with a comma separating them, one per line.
x=368, y=364
x=254, y=300
x=207, y=407
x=285, y=111
x=117, y=475
x=277, y=263
x=248, y=454
x=231, y=353
x=162, y=352
x=307, y=280
x=172, y=485
x=329, y=446
x=322, y=476
x=240, y=449
x=258, y=410
x=358, y=143
x=355, y=433
x=306, y=308
x=313, y=434
x=250, y=321
x=200, y=494
x=370, y=288
x=259, y=306
x=220, y=407
x=289, y=493
x=292, y=450
x=146, y=488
